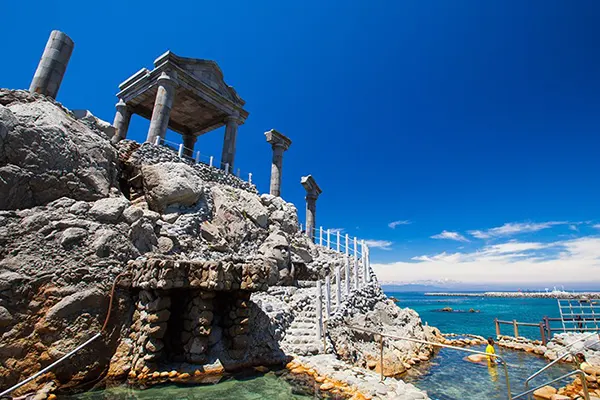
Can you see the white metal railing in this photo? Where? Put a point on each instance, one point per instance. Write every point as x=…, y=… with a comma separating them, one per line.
x=357, y=273
x=197, y=157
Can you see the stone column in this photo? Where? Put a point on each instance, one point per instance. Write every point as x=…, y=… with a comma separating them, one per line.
x=189, y=141
x=279, y=144
x=165, y=94
x=312, y=194
x=121, y=122
x=53, y=64
x=228, y=154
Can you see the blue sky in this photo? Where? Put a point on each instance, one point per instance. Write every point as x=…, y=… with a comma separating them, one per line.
x=455, y=116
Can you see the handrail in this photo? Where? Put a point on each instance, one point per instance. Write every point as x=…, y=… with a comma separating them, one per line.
x=438, y=345
x=586, y=393
x=557, y=359
x=72, y=352
x=49, y=367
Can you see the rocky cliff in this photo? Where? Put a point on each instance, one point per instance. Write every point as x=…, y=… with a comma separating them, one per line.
x=78, y=210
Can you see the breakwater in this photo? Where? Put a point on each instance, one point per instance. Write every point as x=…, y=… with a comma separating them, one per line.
x=537, y=295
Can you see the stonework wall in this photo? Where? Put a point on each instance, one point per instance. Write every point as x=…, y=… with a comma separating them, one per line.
x=225, y=275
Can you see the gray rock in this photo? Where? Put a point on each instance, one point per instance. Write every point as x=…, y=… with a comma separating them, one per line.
x=109, y=210
x=46, y=154
x=79, y=208
x=171, y=183
x=75, y=304
x=5, y=317
x=72, y=236
x=132, y=214
x=142, y=236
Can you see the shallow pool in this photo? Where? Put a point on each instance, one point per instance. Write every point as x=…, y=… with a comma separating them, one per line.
x=267, y=386
x=449, y=377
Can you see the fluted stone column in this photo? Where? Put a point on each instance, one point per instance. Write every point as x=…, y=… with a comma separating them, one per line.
x=121, y=122
x=228, y=155
x=312, y=194
x=53, y=64
x=165, y=95
x=189, y=141
x=279, y=144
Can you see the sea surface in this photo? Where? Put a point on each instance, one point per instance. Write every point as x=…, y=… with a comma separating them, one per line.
x=481, y=322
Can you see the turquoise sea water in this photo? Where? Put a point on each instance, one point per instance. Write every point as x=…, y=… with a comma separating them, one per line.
x=481, y=323
x=448, y=376
x=256, y=387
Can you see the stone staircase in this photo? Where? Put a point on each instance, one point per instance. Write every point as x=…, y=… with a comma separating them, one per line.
x=301, y=336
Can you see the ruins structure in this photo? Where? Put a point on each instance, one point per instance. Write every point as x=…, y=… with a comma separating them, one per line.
x=279, y=143
x=183, y=308
x=53, y=64
x=187, y=95
x=312, y=194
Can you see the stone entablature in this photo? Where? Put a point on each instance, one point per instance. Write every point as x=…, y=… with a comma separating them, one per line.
x=226, y=275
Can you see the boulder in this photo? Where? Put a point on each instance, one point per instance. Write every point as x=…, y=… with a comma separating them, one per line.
x=171, y=183
x=109, y=210
x=5, y=317
x=545, y=392
x=72, y=236
x=74, y=304
x=46, y=154
x=94, y=122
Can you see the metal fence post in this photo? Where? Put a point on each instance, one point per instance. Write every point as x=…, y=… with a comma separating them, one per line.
x=180, y=152
x=319, y=311
x=355, y=273
x=157, y=141
x=542, y=333
x=328, y=239
x=211, y=161
x=321, y=236
x=347, y=245
x=338, y=288
x=497, y=327
x=197, y=157
x=226, y=168
x=381, y=357
x=338, y=241
x=347, y=275
x=516, y=327
x=250, y=182
x=327, y=297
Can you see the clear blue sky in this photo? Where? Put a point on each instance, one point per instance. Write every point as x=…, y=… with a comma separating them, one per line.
x=452, y=115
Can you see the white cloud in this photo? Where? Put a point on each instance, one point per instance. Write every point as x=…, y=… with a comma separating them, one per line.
x=597, y=226
x=575, y=260
x=514, y=228
x=379, y=244
x=574, y=227
x=450, y=236
x=394, y=224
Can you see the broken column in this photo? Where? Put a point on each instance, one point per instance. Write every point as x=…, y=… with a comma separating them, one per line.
x=53, y=64
x=165, y=94
x=312, y=194
x=279, y=144
x=228, y=154
x=121, y=122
